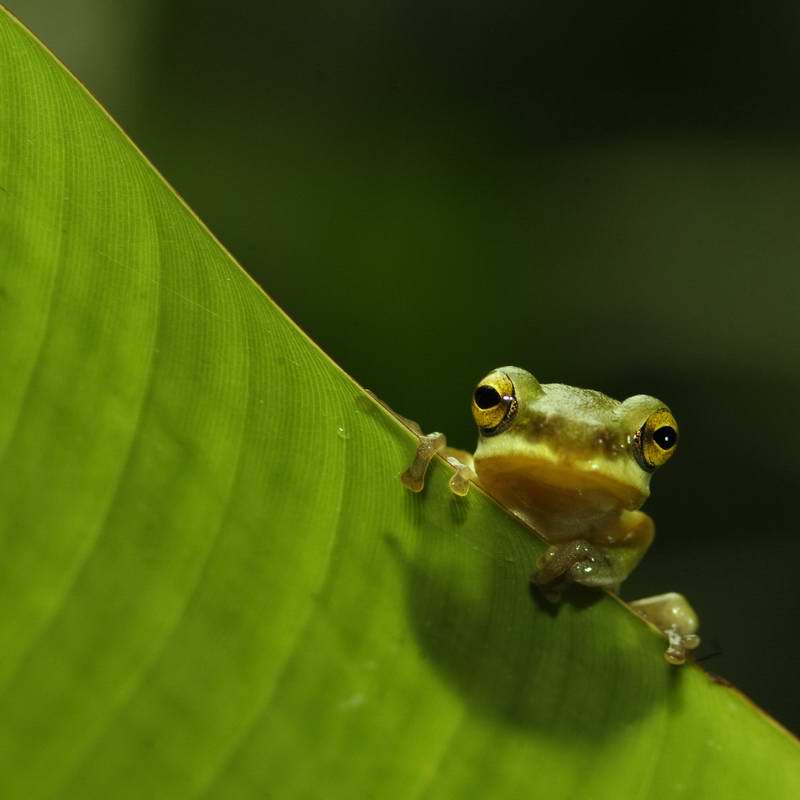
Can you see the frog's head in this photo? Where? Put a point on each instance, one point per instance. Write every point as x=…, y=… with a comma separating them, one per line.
x=573, y=451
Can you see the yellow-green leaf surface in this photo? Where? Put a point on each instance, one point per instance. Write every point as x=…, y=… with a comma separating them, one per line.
x=212, y=583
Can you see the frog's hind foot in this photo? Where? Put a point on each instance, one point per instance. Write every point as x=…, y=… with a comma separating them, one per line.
x=675, y=618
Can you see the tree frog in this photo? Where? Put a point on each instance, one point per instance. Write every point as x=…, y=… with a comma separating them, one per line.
x=575, y=465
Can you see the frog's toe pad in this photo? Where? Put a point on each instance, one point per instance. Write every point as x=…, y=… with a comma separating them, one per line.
x=679, y=643
x=412, y=480
x=583, y=571
x=459, y=481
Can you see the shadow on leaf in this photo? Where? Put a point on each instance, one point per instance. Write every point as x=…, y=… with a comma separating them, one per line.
x=565, y=670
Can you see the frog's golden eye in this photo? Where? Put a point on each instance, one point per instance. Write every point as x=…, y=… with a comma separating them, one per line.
x=494, y=403
x=656, y=440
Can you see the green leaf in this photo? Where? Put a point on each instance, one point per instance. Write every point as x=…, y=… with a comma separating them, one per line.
x=211, y=581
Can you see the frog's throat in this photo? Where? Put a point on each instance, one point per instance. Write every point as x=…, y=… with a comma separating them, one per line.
x=569, y=485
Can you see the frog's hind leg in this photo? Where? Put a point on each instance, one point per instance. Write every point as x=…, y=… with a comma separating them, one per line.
x=675, y=618
x=429, y=445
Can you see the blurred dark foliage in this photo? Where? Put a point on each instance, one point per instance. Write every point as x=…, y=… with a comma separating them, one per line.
x=606, y=195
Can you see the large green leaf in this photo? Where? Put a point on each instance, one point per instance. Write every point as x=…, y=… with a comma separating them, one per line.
x=211, y=581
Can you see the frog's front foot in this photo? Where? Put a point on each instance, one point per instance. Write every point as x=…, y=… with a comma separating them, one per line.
x=577, y=561
x=429, y=445
x=675, y=618
x=414, y=477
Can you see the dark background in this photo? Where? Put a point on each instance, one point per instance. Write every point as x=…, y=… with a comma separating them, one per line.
x=605, y=195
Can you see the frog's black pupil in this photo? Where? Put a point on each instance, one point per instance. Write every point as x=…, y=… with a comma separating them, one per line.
x=665, y=437
x=486, y=397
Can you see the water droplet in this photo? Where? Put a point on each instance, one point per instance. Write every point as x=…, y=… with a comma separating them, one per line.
x=342, y=433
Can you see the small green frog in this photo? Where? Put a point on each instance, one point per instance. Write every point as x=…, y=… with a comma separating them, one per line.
x=575, y=465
